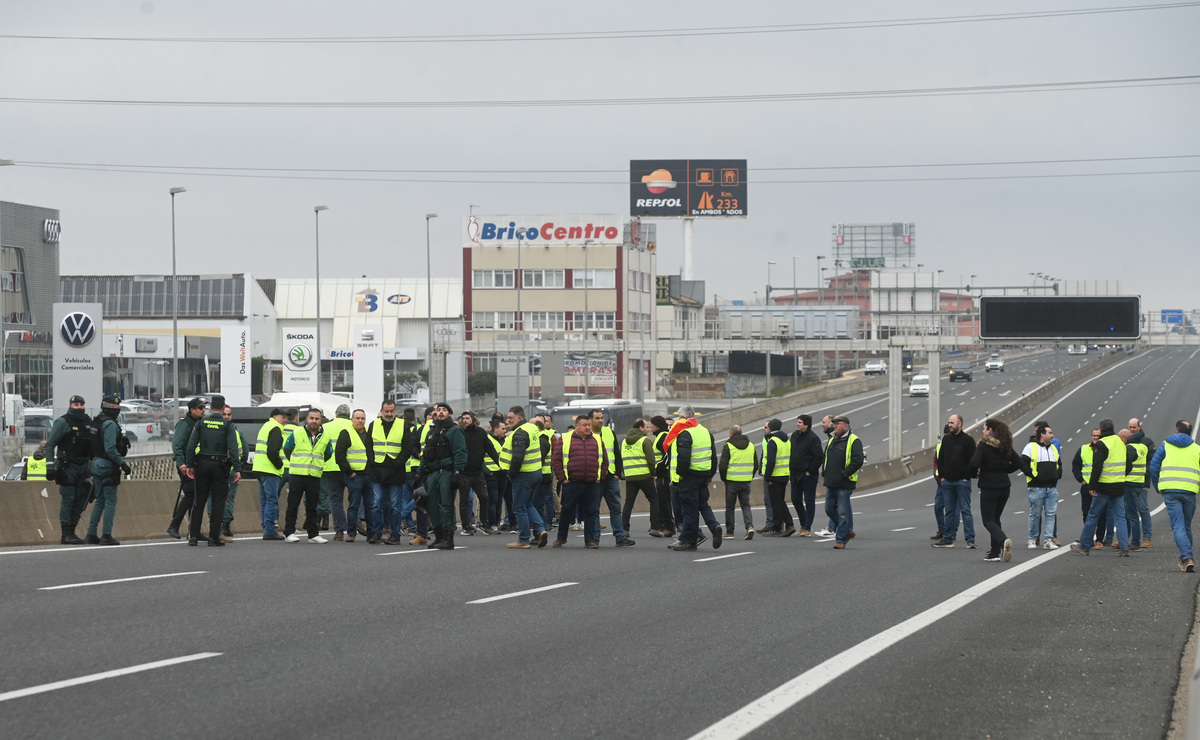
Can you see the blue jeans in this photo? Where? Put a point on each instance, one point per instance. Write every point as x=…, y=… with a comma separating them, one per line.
x=407, y=503
x=611, y=490
x=1133, y=522
x=837, y=507
x=357, y=507
x=268, y=500
x=1042, y=499
x=393, y=493
x=1181, y=507
x=529, y=522
x=770, y=510
x=544, y=499
x=939, y=509
x=584, y=497
x=1096, y=515
x=957, y=497
x=1143, y=510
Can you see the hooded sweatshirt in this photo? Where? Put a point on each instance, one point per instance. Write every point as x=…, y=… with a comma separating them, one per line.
x=633, y=437
x=1178, y=439
x=741, y=442
x=769, y=451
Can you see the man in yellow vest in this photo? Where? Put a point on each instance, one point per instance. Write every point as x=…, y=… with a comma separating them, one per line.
x=393, y=443
x=268, y=466
x=1081, y=468
x=497, y=478
x=693, y=462
x=231, y=499
x=610, y=486
x=579, y=461
x=659, y=427
x=1175, y=472
x=333, y=483
x=844, y=457
x=351, y=454
x=637, y=463
x=1137, y=500
x=739, y=460
x=1106, y=486
x=307, y=448
x=522, y=457
x=776, y=471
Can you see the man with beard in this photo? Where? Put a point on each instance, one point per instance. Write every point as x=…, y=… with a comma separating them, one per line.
x=827, y=429
x=954, y=454
x=805, y=472
x=442, y=462
x=479, y=451
x=187, y=486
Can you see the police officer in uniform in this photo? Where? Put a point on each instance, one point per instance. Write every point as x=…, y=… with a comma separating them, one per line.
x=109, y=446
x=442, y=463
x=231, y=499
x=212, y=450
x=187, y=486
x=71, y=447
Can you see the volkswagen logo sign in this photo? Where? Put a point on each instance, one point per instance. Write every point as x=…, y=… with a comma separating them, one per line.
x=300, y=355
x=77, y=329
x=51, y=229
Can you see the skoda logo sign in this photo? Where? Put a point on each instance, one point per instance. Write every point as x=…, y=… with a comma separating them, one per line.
x=77, y=329
x=300, y=355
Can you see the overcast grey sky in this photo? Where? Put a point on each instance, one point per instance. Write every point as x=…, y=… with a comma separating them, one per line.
x=989, y=211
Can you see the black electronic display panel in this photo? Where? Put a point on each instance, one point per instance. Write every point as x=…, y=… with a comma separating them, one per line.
x=1066, y=317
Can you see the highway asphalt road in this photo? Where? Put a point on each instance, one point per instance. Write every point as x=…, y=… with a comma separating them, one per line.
x=771, y=638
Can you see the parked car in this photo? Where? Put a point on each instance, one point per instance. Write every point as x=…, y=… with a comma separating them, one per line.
x=875, y=367
x=258, y=399
x=38, y=421
x=993, y=363
x=960, y=371
x=919, y=385
x=139, y=427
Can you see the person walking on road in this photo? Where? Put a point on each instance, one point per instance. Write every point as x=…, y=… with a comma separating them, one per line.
x=662, y=478
x=579, y=460
x=69, y=445
x=1175, y=472
x=993, y=461
x=1106, y=486
x=693, y=462
x=610, y=487
x=1042, y=460
x=827, y=430
x=212, y=451
x=187, y=486
x=442, y=462
x=739, y=460
x=776, y=470
x=637, y=466
x=522, y=457
x=308, y=448
x=1081, y=468
x=939, y=499
x=1137, y=499
x=844, y=457
x=268, y=466
x=805, y=473
x=352, y=451
x=953, y=475
x=109, y=446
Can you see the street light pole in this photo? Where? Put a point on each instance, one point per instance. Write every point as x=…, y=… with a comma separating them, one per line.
x=819, y=270
x=3, y=389
x=317, y=250
x=767, y=295
x=174, y=312
x=429, y=304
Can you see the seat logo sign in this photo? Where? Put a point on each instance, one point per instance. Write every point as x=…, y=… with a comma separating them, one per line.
x=300, y=355
x=77, y=329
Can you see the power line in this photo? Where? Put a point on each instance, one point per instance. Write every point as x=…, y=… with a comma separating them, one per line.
x=606, y=183
x=201, y=168
x=620, y=34
x=680, y=100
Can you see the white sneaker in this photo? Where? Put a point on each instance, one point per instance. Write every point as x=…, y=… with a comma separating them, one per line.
x=319, y=540
x=824, y=533
x=293, y=537
x=1032, y=545
x=1049, y=545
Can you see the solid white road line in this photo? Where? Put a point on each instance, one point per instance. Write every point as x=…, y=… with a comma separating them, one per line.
x=21, y=693
x=122, y=580
x=722, y=557
x=523, y=593
x=771, y=705
x=903, y=529
x=415, y=552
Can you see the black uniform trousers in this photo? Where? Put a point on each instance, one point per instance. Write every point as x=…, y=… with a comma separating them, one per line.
x=212, y=480
x=307, y=487
x=183, y=499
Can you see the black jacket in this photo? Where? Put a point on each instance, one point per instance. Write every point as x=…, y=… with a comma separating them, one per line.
x=837, y=472
x=806, y=453
x=993, y=466
x=478, y=448
x=953, y=461
x=1047, y=472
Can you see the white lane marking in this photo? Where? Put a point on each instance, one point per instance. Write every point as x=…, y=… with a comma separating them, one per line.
x=122, y=580
x=895, y=509
x=524, y=593
x=32, y=690
x=415, y=552
x=903, y=529
x=774, y=703
x=722, y=557
x=1005, y=393
x=77, y=548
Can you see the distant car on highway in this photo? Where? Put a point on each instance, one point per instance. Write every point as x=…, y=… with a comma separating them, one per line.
x=919, y=385
x=875, y=367
x=994, y=363
x=960, y=371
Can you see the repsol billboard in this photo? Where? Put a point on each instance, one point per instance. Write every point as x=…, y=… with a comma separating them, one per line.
x=687, y=188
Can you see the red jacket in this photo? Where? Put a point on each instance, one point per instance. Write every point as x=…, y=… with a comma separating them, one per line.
x=588, y=457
